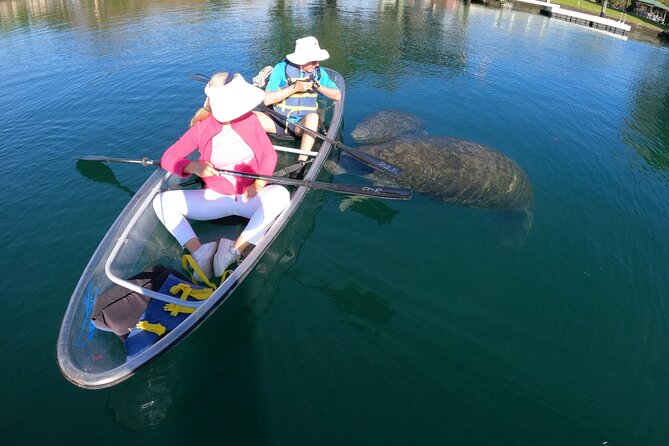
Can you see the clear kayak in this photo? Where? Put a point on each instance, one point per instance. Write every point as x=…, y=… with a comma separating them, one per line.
x=93, y=358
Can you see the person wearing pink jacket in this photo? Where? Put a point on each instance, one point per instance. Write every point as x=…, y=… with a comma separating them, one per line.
x=228, y=136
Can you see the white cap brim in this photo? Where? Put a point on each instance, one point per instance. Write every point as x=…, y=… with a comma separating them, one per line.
x=301, y=58
x=234, y=99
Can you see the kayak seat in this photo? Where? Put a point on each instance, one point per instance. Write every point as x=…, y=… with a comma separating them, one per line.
x=232, y=220
x=283, y=138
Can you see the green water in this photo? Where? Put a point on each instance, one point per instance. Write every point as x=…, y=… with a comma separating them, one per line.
x=378, y=323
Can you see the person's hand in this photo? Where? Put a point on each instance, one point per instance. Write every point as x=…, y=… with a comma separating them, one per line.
x=201, y=169
x=253, y=189
x=303, y=86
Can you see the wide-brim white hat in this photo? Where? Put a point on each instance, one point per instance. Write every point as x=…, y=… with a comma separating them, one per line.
x=307, y=50
x=234, y=99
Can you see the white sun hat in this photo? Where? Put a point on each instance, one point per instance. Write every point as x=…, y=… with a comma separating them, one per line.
x=307, y=50
x=232, y=99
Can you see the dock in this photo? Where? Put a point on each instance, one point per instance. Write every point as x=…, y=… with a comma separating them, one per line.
x=580, y=18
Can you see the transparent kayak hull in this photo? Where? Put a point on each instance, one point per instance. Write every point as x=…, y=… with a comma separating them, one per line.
x=91, y=358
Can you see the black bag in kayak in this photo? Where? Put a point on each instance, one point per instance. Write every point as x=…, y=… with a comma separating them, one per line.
x=119, y=309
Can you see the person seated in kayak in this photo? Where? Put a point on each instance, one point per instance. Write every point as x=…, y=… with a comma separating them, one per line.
x=228, y=136
x=292, y=90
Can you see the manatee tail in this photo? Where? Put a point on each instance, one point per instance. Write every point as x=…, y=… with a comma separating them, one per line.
x=513, y=226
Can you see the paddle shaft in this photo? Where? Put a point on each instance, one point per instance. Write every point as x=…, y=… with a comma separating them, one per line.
x=370, y=160
x=390, y=193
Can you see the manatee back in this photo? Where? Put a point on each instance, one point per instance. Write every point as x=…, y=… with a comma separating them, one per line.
x=385, y=125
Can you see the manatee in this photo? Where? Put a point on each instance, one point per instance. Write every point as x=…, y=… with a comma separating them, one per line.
x=460, y=172
x=457, y=171
x=386, y=125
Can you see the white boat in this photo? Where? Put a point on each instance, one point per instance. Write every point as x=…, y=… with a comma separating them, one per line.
x=92, y=358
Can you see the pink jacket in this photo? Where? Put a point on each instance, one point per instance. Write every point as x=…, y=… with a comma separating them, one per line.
x=199, y=137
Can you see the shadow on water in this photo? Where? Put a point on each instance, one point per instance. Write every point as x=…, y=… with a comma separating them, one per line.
x=221, y=350
x=363, y=306
x=143, y=404
x=101, y=173
x=375, y=210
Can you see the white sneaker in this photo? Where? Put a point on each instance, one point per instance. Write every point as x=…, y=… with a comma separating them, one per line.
x=226, y=255
x=204, y=257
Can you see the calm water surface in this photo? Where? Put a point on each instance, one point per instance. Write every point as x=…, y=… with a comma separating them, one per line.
x=383, y=322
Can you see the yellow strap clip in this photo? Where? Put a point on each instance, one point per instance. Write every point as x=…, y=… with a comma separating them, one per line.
x=158, y=329
x=175, y=309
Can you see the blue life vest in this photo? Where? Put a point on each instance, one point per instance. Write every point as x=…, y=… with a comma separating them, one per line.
x=160, y=318
x=298, y=105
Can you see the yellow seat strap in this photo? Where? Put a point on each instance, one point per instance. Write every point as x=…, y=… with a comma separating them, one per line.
x=158, y=329
x=226, y=274
x=186, y=261
x=186, y=291
x=295, y=108
x=175, y=309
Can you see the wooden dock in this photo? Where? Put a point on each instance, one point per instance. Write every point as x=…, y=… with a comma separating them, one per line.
x=592, y=21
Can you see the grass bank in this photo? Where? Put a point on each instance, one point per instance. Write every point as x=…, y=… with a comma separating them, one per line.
x=595, y=8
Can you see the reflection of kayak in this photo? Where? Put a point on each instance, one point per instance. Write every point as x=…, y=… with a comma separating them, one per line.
x=93, y=358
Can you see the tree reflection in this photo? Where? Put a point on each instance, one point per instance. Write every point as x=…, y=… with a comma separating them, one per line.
x=94, y=14
x=381, y=42
x=649, y=133
x=378, y=43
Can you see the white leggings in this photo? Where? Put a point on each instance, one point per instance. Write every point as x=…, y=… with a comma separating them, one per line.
x=174, y=206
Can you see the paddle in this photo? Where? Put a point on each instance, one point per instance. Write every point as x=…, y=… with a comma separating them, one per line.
x=390, y=193
x=105, y=159
x=371, y=160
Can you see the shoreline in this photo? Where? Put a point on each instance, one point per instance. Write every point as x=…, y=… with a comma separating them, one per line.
x=638, y=31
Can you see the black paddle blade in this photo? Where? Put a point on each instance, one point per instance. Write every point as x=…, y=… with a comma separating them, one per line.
x=199, y=77
x=373, y=161
x=106, y=159
x=101, y=159
x=388, y=193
